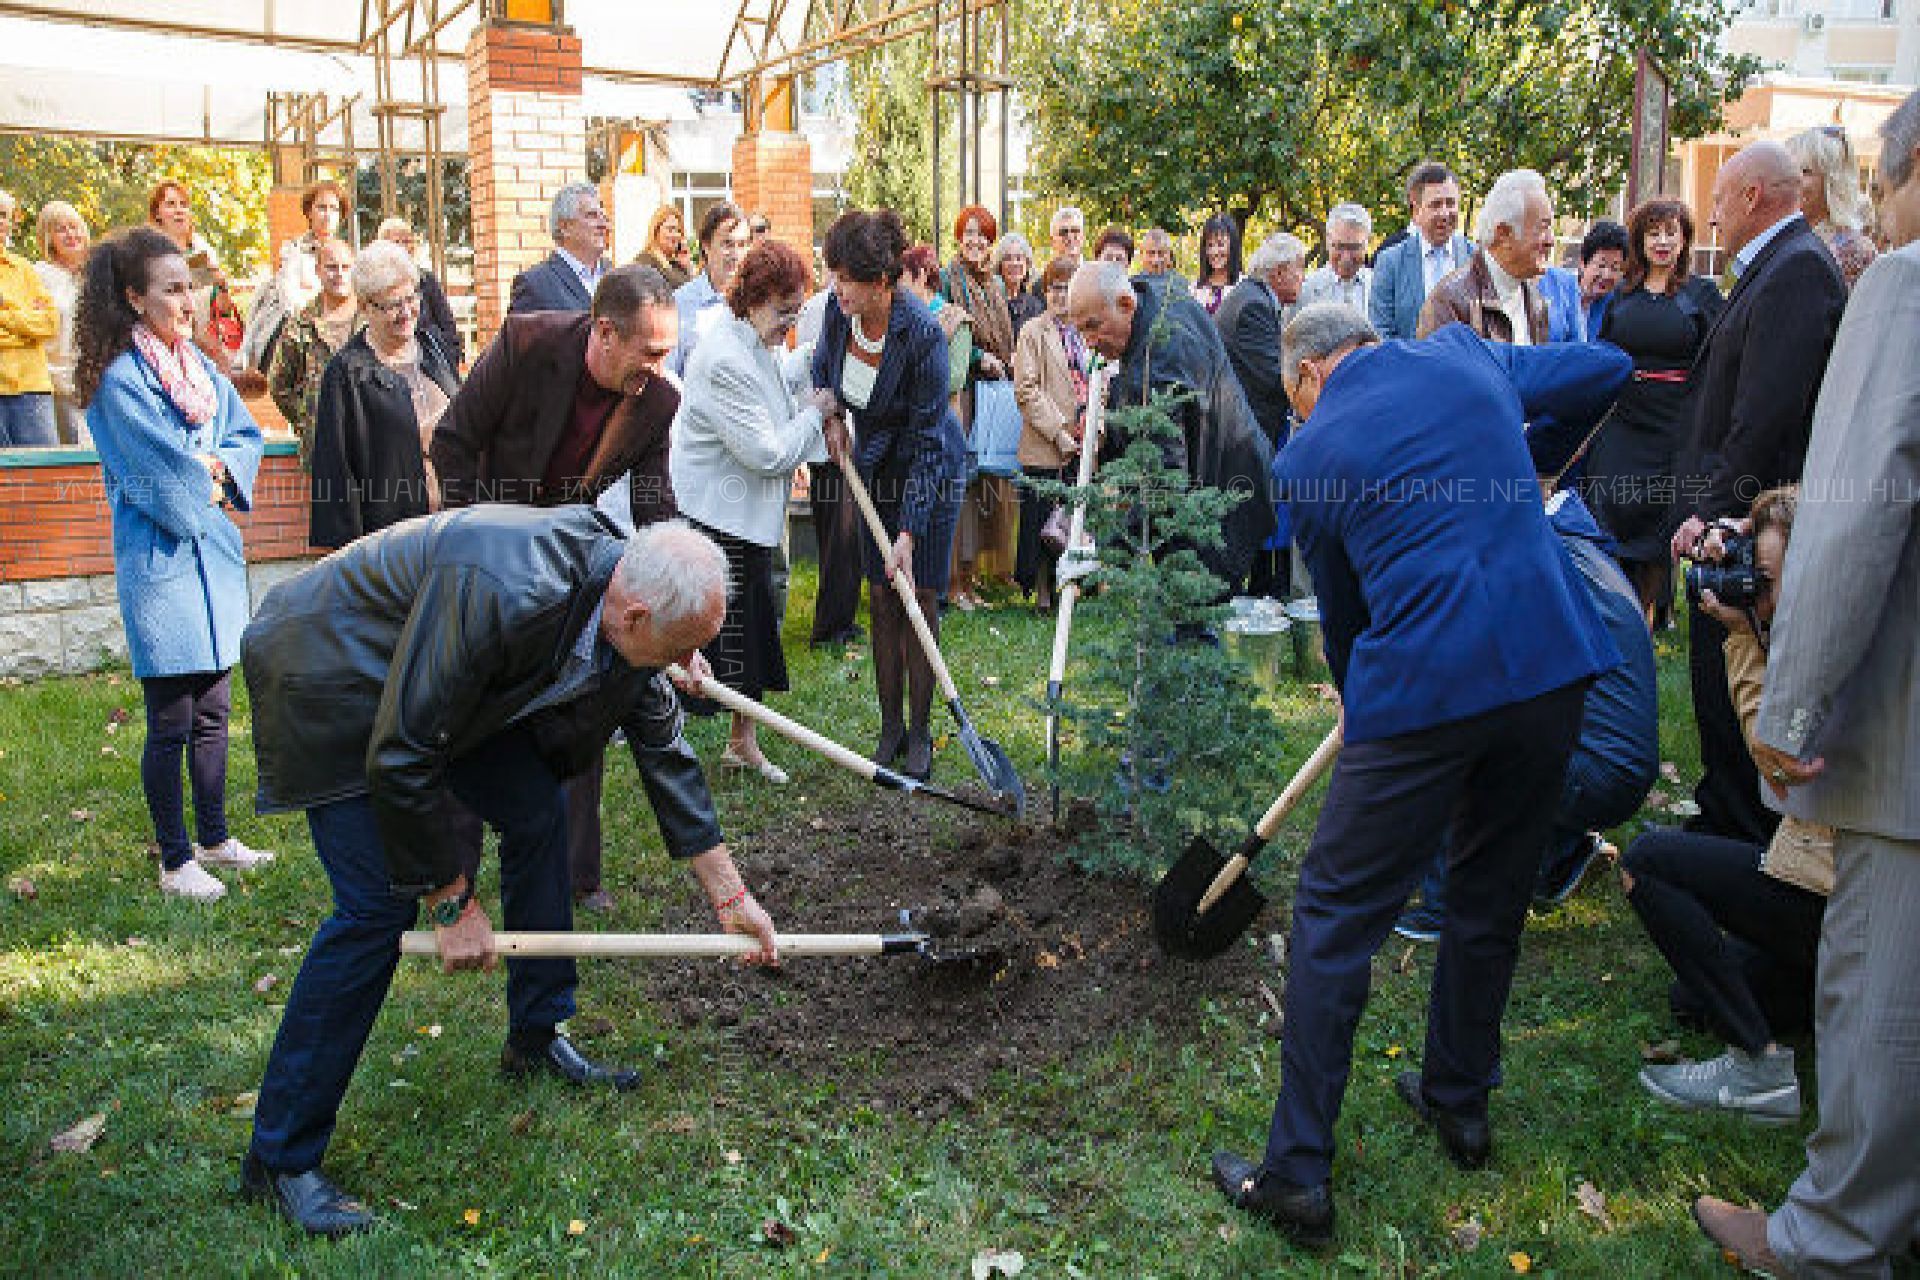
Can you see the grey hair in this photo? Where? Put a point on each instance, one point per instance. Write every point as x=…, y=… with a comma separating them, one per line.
x=1899, y=136
x=390, y=225
x=380, y=266
x=1829, y=155
x=1352, y=215
x=1277, y=250
x=672, y=568
x=1506, y=203
x=1101, y=280
x=1156, y=236
x=566, y=204
x=1320, y=329
x=1064, y=211
x=1010, y=244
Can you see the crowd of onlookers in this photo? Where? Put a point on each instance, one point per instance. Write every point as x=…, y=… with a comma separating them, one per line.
x=920, y=396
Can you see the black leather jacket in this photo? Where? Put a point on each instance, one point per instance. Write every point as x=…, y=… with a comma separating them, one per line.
x=374, y=668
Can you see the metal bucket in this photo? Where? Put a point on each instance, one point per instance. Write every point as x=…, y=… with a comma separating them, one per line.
x=1255, y=631
x=1309, y=653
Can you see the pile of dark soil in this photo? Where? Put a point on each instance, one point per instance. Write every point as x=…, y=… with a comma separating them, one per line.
x=1077, y=961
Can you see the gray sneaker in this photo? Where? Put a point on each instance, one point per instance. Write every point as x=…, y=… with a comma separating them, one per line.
x=1762, y=1087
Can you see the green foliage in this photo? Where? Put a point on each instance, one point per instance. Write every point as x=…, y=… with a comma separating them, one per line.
x=1277, y=111
x=892, y=164
x=108, y=183
x=1168, y=727
x=456, y=200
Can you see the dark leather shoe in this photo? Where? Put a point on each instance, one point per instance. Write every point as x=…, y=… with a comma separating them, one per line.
x=919, y=762
x=1740, y=1232
x=561, y=1059
x=308, y=1200
x=893, y=740
x=1305, y=1214
x=1468, y=1143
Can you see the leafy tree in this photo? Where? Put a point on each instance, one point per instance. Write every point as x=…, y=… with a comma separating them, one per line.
x=410, y=183
x=892, y=161
x=108, y=183
x=1278, y=110
x=1168, y=728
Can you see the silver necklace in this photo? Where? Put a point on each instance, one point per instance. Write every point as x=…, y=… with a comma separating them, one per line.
x=872, y=348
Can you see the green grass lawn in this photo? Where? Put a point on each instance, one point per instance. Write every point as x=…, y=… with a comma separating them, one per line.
x=114, y=1001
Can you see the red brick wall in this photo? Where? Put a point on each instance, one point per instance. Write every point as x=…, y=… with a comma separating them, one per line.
x=54, y=520
x=773, y=174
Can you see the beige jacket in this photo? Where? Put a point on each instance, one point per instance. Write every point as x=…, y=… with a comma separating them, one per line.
x=1802, y=852
x=1043, y=388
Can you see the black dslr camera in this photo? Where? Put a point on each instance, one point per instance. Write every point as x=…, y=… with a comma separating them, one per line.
x=1736, y=581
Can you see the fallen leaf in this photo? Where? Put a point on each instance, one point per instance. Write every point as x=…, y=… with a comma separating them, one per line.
x=134, y=940
x=1670, y=771
x=1466, y=1236
x=576, y=1228
x=23, y=889
x=681, y=1123
x=1228, y=1232
x=265, y=983
x=521, y=1125
x=991, y=682
x=82, y=1136
x=1594, y=1204
x=989, y=1263
x=821, y=1260
x=119, y=715
x=1046, y=960
x=1520, y=1263
x=471, y=1217
x=108, y=751
x=731, y=1156
x=778, y=1234
x=80, y=815
x=242, y=1104
x=433, y=1031
x=1394, y=1051
x=1664, y=1051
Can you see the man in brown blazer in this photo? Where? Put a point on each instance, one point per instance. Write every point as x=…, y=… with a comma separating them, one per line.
x=558, y=408
x=1497, y=293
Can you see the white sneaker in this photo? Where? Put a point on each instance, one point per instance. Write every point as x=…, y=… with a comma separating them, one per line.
x=190, y=880
x=232, y=854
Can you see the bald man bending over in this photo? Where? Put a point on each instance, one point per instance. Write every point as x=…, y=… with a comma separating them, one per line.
x=1754, y=386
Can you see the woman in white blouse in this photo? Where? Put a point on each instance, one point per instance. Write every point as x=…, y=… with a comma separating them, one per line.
x=64, y=241
x=745, y=423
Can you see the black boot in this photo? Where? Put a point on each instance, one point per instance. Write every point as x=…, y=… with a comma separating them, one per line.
x=919, y=762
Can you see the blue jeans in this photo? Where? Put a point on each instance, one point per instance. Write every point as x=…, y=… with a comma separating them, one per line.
x=1595, y=795
x=26, y=421
x=350, y=965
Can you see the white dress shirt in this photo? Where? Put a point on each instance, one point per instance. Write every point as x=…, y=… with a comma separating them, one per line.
x=1513, y=301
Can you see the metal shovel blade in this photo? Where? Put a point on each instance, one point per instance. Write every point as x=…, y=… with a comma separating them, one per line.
x=1180, y=927
x=990, y=761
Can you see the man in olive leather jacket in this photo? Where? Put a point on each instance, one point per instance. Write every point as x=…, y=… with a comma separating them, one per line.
x=487, y=653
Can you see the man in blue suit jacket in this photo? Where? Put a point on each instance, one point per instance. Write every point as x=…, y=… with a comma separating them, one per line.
x=1462, y=639
x=565, y=279
x=1404, y=274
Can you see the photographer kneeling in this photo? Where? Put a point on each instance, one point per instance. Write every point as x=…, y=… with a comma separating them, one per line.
x=1705, y=900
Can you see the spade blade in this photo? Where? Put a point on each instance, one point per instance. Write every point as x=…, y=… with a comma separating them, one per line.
x=1179, y=926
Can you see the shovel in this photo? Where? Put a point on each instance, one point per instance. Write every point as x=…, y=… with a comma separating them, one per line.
x=1203, y=903
x=847, y=759
x=1076, y=529
x=658, y=946
x=988, y=759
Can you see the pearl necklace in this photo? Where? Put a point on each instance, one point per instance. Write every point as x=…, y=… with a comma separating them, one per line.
x=873, y=348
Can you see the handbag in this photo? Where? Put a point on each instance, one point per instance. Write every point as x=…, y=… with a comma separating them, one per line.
x=996, y=428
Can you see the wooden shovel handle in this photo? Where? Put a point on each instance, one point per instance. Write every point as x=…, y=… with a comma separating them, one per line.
x=1309, y=773
x=739, y=703
x=932, y=647
x=1077, y=526
x=421, y=942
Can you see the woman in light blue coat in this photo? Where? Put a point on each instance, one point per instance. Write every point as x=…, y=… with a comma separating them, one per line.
x=178, y=453
x=741, y=430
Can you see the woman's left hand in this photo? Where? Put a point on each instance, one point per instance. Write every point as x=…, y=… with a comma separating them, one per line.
x=990, y=367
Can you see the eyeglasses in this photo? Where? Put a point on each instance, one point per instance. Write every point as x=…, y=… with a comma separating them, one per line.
x=395, y=307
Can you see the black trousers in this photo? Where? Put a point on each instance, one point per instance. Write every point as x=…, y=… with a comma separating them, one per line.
x=1729, y=790
x=1701, y=897
x=1495, y=777
x=837, y=532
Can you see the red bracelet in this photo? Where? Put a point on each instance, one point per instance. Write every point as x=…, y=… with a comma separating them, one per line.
x=732, y=902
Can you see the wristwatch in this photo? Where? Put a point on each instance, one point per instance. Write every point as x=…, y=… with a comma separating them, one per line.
x=445, y=913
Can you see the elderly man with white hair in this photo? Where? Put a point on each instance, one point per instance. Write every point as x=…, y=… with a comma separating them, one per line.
x=1497, y=294
x=1068, y=231
x=1250, y=320
x=1346, y=277
x=1166, y=343
x=565, y=279
x=487, y=653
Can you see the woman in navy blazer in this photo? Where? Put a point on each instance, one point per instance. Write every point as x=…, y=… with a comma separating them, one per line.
x=885, y=356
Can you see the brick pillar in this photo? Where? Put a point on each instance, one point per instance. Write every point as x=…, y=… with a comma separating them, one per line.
x=773, y=174
x=527, y=135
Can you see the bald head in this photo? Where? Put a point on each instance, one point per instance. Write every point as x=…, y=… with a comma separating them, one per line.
x=1756, y=188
